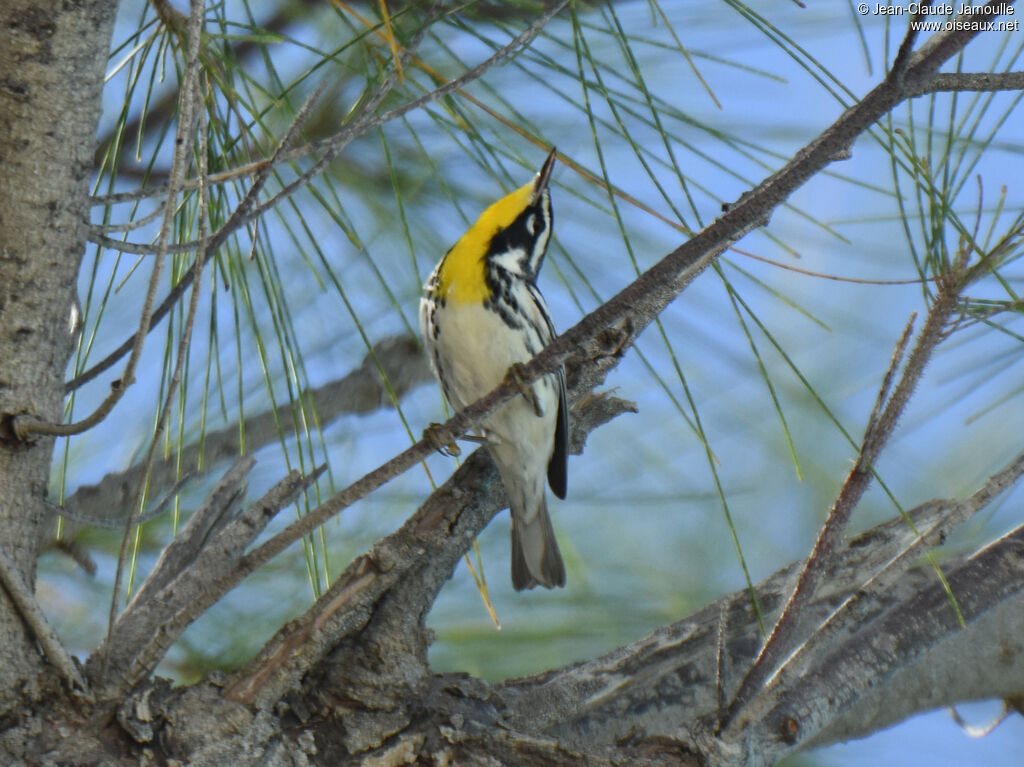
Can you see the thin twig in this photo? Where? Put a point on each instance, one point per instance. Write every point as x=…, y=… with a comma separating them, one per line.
x=890, y=374
x=209, y=244
x=190, y=100
x=780, y=641
x=179, y=365
x=331, y=147
x=853, y=608
x=335, y=145
x=952, y=82
x=361, y=391
x=131, y=225
x=342, y=138
x=33, y=616
x=117, y=523
x=26, y=425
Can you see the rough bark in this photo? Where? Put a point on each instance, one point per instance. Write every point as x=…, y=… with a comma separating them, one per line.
x=373, y=701
x=52, y=59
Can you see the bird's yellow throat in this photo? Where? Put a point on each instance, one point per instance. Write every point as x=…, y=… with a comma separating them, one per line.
x=461, y=277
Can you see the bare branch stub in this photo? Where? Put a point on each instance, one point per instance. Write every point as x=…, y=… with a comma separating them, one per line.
x=211, y=516
x=902, y=59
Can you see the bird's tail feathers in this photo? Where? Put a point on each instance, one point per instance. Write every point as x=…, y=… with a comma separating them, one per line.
x=536, y=560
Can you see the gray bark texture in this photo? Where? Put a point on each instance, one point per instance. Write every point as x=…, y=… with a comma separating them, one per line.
x=52, y=61
x=348, y=682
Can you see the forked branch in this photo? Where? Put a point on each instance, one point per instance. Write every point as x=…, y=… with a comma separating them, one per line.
x=881, y=426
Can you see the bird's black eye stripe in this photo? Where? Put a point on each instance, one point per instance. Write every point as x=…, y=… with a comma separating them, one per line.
x=520, y=234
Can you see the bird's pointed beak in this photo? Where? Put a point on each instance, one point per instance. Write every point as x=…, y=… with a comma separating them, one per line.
x=544, y=176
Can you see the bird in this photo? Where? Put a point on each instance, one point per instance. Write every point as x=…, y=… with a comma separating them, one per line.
x=482, y=316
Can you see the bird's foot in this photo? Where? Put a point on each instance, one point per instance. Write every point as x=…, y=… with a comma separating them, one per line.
x=518, y=380
x=430, y=434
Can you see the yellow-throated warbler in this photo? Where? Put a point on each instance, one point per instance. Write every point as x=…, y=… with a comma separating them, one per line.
x=481, y=314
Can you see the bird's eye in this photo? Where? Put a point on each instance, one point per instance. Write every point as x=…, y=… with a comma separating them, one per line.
x=531, y=224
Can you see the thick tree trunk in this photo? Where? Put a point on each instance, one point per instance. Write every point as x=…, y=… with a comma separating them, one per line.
x=52, y=58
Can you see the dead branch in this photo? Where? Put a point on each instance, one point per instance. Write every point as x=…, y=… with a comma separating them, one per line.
x=193, y=573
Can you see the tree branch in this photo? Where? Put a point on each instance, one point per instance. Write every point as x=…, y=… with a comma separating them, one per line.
x=188, y=578
x=990, y=580
x=665, y=685
x=880, y=428
x=855, y=610
x=953, y=82
x=398, y=359
x=396, y=582
x=640, y=705
x=33, y=616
